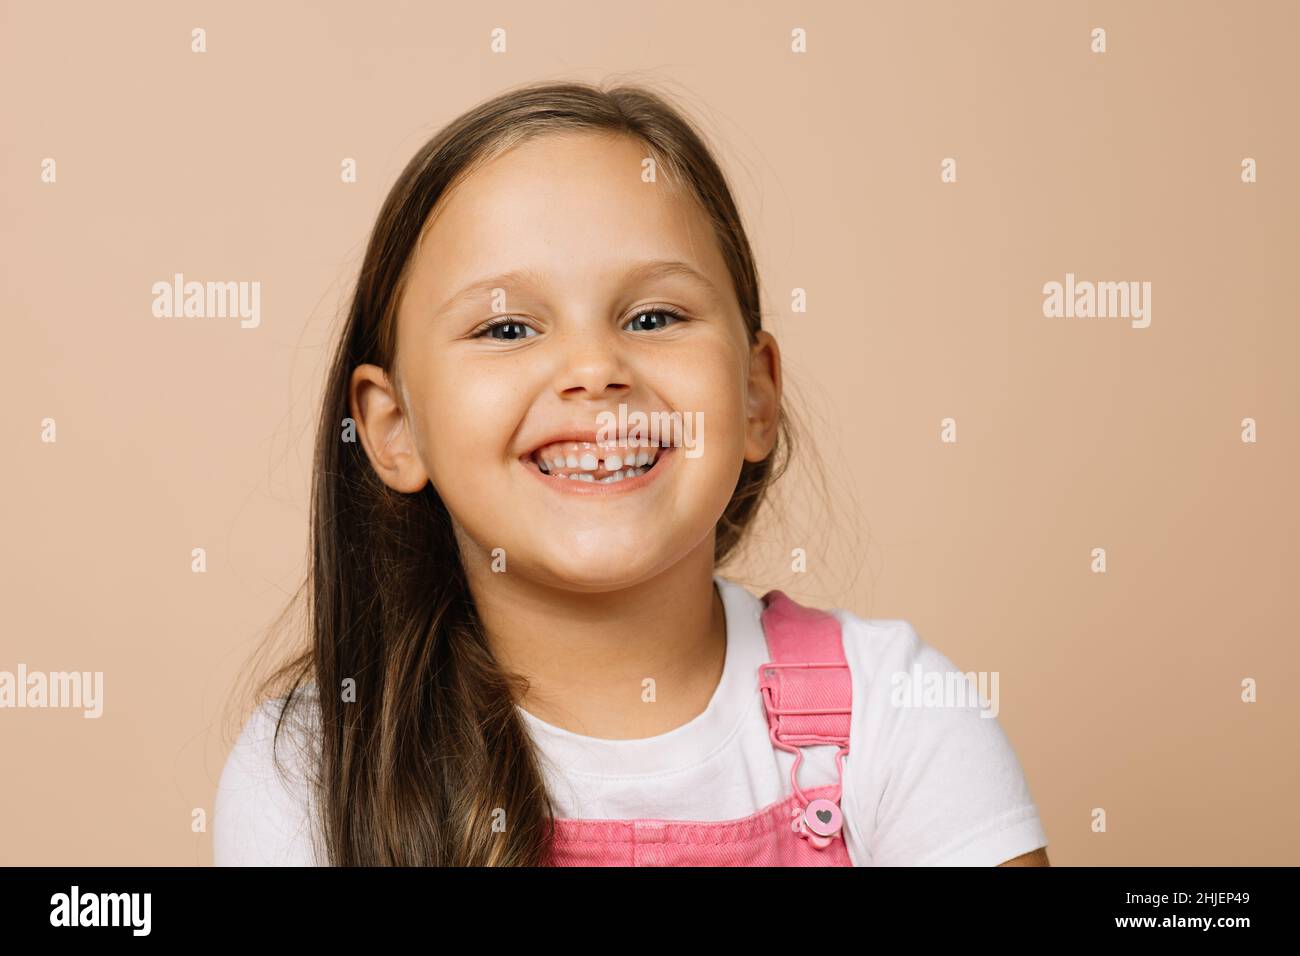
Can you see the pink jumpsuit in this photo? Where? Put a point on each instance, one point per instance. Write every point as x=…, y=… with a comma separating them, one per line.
x=807, y=695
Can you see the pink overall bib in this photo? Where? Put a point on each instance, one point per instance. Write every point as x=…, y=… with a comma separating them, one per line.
x=807, y=695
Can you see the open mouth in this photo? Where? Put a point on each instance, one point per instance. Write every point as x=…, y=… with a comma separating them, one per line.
x=601, y=464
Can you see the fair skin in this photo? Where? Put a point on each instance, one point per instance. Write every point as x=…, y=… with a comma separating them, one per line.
x=625, y=577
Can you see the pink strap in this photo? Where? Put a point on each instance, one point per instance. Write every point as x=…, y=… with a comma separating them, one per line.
x=806, y=686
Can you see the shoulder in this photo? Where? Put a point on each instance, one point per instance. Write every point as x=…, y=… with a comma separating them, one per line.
x=935, y=775
x=873, y=643
x=887, y=657
x=894, y=666
x=263, y=809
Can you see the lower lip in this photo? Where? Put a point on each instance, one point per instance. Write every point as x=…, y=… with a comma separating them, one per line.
x=570, y=486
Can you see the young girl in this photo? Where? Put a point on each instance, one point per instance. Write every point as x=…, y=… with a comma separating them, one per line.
x=552, y=413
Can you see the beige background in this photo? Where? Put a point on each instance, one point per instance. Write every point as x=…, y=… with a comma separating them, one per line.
x=1119, y=691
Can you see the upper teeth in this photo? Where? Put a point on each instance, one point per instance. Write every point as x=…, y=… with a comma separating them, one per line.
x=583, y=457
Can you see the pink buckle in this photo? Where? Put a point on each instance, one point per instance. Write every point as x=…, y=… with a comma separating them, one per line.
x=767, y=684
x=818, y=821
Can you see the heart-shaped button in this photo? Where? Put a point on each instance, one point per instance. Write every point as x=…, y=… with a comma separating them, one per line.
x=823, y=817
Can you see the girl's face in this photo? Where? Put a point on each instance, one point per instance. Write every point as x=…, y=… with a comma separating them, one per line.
x=605, y=290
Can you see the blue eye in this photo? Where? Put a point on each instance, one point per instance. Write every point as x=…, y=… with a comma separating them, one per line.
x=646, y=320
x=510, y=330
x=516, y=331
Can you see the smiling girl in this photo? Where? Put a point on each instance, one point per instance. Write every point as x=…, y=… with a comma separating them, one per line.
x=521, y=653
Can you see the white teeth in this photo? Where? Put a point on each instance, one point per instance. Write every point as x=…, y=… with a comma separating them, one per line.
x=620, y=475
x=608, y=480
x=616, y=463
x=588, y=456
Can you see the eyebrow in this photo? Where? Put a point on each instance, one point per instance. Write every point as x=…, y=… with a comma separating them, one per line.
x=641, y=272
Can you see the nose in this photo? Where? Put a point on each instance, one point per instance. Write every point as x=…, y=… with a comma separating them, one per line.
x=593, y=365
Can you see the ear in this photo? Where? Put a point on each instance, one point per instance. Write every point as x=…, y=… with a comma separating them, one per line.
x=763, y=397
x=385, y=430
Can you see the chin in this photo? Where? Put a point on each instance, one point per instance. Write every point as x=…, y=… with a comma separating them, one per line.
x=611, y=572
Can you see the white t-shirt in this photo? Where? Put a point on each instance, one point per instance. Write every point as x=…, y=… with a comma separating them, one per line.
x=922, y=785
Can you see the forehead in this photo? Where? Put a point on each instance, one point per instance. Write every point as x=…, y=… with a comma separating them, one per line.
x=574, y=206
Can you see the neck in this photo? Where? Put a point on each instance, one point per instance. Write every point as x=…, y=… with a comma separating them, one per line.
x=587, y=656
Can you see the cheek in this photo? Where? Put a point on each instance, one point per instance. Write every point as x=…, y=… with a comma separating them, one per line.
x=472, y=413
x=710, y=382
x=706, y=385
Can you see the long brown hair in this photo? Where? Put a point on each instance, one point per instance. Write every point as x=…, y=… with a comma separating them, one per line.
x=416, y=766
